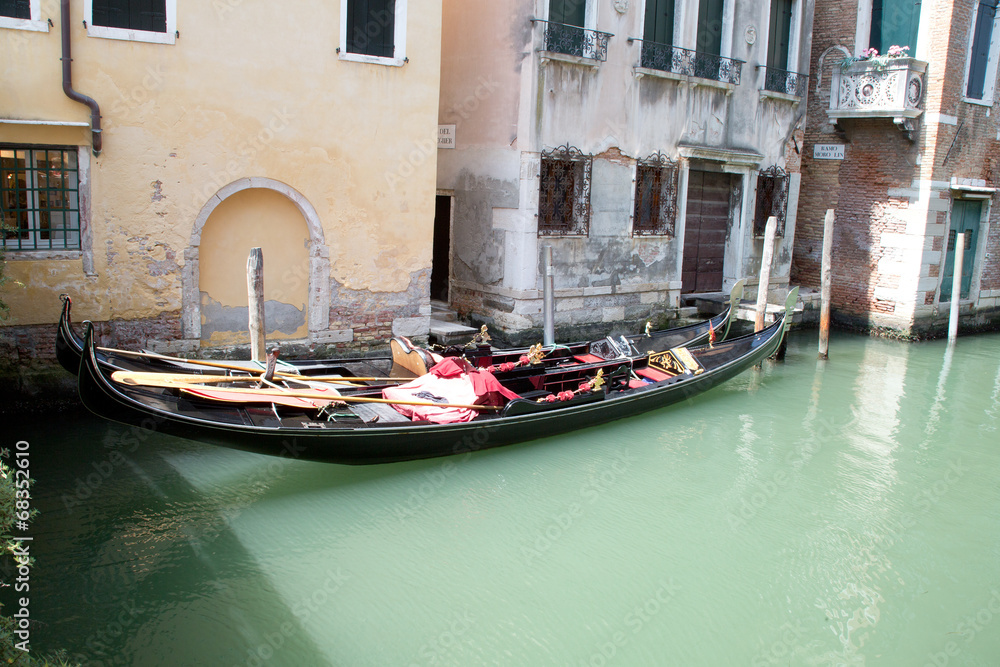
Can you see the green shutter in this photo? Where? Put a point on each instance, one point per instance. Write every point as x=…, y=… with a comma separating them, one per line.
x=779, y=34
x=894, y=23
x=570, y=12
x=709, y=38
x=659, y=24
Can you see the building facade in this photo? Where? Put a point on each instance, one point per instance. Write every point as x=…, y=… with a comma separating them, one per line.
x=645, y=141
x=903, y=146
x=224, y=126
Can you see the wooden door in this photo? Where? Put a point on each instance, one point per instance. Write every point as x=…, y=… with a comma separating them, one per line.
x=705, y=227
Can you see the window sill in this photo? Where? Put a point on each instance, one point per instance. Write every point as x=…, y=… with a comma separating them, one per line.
x=983, y=102
x=23, y=24
x=683, y=78
x=546, y=56
x=41, y=255
x=775, y=95
x=372, y=60
x=104, y=32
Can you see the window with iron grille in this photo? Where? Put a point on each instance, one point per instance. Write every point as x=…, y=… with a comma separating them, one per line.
x=370, y=27
x=564, y=194
x=146, y=15
x=772, y=199
x=39, y=198
x=16, y=9
x=655, y=209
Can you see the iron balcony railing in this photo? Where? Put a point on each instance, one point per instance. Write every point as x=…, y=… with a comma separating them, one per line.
x=783, y=81
x=674, y=59
x=573, y=40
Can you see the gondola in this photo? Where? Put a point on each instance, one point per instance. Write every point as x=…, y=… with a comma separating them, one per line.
x=69, y=347
x=357, y=433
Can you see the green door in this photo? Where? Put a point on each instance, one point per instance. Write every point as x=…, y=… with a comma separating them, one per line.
x=709, y=39
x=570, y=12
x=965, y=214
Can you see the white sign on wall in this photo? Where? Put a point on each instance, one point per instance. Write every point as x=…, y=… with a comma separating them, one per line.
x=828, y=151
x=446, y=136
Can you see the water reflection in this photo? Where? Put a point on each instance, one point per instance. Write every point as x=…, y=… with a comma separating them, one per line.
x=840, y=512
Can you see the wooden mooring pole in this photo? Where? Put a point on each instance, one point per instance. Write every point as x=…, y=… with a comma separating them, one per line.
x=826, y=278
x=255, y=296
x=765, y=272
x=956, y=286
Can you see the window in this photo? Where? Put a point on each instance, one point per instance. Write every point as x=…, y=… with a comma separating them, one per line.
x=39, y=198
x=373, y=31
x=772, y=199
x=564, y=196
x=655, y=210
x=22, y=15
x=15, y=9
x=132, y=20
x=709, y=38
x=982, y=61
x=894, y=23
x=657, y=32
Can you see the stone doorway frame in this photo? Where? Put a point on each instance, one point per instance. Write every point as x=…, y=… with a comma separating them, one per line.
x=318, y=252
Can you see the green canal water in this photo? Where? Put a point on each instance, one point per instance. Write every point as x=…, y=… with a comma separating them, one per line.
x=838, y=513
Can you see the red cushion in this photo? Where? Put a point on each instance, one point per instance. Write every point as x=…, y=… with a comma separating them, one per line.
x=652, y=374
x=587, y=358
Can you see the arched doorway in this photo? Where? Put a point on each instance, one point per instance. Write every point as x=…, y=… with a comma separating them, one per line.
x=256, y=212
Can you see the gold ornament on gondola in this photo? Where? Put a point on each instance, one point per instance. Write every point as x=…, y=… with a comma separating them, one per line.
x=535, y=354
x=480, y=338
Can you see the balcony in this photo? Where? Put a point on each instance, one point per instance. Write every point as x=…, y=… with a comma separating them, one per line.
x=574, y=41
x=787, y=85
x=879, y=89
x=673, y=62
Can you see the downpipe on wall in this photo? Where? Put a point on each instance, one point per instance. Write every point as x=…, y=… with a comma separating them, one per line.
x=67, y=81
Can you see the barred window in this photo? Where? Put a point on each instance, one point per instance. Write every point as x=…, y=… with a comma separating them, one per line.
x=655, y=209
x=772, y=199
x=39, y=198
x=146, y=15
x=564, y=196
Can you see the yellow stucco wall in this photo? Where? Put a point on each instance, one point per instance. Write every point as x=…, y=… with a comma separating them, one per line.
x=253, y=218
x=247, y=90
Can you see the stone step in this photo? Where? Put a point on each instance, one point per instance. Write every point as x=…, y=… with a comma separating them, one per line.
x=441, y=311
x=449, y=333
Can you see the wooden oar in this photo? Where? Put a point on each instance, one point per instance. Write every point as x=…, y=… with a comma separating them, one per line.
x=248, y=369
x=142, y=377
x=263, y=394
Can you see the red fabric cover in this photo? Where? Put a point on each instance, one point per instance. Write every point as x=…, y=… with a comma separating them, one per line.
x=587, y=358
x=452, y=381
x=634, y=384
x=652, y=374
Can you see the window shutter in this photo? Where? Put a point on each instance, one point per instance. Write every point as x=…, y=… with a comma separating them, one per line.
x=371, y=27
x=778, y=34
x=659, y=23
x=570, y=12
x=709, y=39
x=18, y=9
x=979, y=58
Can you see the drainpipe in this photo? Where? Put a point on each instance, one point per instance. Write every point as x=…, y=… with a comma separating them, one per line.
x=67, y=81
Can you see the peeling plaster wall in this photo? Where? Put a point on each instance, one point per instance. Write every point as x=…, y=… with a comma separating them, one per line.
x=248, y=91
x=619, y=115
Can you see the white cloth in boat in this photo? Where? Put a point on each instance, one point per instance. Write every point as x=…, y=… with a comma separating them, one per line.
x=453, y=381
